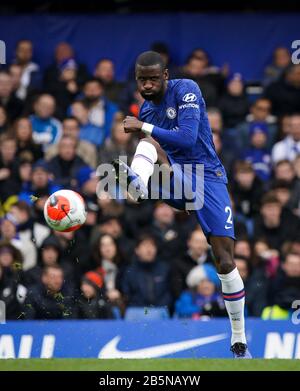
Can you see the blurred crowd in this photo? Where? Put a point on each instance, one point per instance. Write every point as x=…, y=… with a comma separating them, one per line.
x=57, y=125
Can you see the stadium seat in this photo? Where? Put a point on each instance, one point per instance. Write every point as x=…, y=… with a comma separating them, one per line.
x=146, y=313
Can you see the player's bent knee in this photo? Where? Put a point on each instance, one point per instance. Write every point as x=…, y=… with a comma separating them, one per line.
x=225, y=265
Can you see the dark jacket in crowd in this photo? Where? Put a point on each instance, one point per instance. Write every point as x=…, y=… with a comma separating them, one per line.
x=95, y=308
x=65, y=171
x=285, y=98
x=287, y=230
x=13, y=107
x=9, y=294
x=247, y=201
x=234, y=109
x=256, y=287
x=147, y=284
x=284, y=290
x=41, y=304
x=180, y=269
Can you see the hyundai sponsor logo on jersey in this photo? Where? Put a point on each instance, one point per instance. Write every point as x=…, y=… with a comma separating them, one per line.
x=168, y=338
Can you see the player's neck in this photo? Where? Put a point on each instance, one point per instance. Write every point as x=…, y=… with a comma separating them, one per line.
x=157, y=101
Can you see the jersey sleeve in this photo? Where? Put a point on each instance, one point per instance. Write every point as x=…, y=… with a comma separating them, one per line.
x=184, y=136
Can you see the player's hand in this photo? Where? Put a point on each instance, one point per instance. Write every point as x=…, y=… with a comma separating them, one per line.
x=132, y=124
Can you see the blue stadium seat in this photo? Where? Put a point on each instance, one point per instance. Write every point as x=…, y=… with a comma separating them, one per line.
x=116, y=312
x=146, y=313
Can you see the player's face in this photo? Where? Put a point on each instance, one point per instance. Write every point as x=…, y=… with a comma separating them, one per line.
x=151, y=81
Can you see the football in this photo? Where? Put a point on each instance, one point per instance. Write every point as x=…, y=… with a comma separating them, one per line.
x=65, y=211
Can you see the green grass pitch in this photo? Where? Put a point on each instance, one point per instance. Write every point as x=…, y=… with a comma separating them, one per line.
x=148, y=365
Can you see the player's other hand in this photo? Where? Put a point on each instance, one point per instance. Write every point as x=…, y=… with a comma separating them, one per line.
x=132, y=124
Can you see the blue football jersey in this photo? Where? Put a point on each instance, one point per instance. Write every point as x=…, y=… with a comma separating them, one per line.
x=181, y=106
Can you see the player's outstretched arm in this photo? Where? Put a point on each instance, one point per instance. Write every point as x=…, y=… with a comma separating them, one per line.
x=183, y=136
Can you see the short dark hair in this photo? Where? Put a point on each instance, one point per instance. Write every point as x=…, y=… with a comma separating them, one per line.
x=146, y=237
x=93, y=80
x=46, y=269
x=269, y=198
x=71, y=117
x=280, y=184
x=150, y=58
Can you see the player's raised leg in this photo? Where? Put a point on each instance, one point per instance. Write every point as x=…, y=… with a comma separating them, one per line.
x=233, y=292
x=147, y=153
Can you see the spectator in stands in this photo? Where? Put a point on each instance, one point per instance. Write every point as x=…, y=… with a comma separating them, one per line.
x=197, y=254
x=63, y=52
x=66, y=164
x=243, y=247
x=92, y=210
x=163, y=49
x=22, y=132
x=49, y=299
x=86, y=182
x=257, y=154
x=286, y=286
x=274, y=224
x=167, y=232
x=15, y=72
x=215, y=120
x=3, y=120
x=112, y=225
x=105, y=71
x=8, y=170
x=30, y=76
x=23, y=176
x=101, y=111
x=12, y=294
x=146, y=281
x=296, y=164
x=85, y=150
x=65, y=88
x=224, y=140
x=108, y=262
x=196, y=68
x=260, y=113
x=46, y=128
x=274, y=71
x=9, y=231
x=203, y=298
x=109, y=207
x=246, y=190
x=266, y=257
x=41, y=186
x=12, y=104
x=29, y=230
x=256, y=285
x=284, y=172
x=119, y=144
x=75, y=251
x=92, y=302
x=285, y=93
x=89, y=132
x=234, y=103
x=49, y=255
x=289, y=147
x=11, y=258
x=282, y=191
